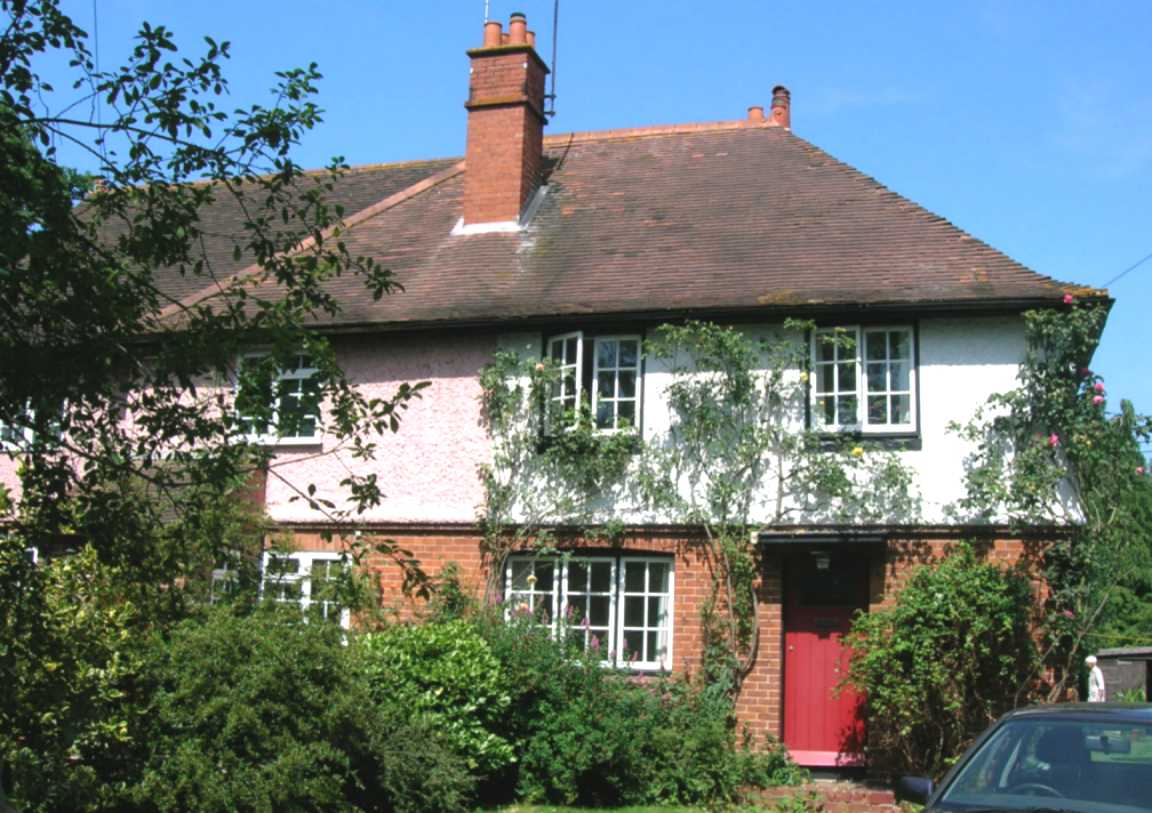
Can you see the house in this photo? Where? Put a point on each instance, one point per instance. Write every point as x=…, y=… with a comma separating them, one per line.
x=575, y=248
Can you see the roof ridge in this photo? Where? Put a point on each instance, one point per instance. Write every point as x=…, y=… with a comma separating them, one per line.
x=649, y=131
x=393, y=200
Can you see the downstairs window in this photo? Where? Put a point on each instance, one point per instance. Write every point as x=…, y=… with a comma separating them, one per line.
x=617, y=606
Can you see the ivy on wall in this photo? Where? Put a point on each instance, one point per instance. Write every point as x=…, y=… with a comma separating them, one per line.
x=735, y=454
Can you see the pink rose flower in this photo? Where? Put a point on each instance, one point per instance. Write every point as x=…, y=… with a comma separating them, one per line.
x=1069, y=614
x=1068, y=299
x=1140, y=470
x=539, y=366
x=1053, y=440
x=1097, y=399
x=1098, y=386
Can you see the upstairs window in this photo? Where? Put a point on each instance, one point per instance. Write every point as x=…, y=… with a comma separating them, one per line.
x=310, y=580
x=597, y=373
x=864, y=379
x=284, y=409
x=619, y=607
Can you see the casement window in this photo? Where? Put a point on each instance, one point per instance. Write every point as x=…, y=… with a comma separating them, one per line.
x=599, y=373
x=310, y=580
x=19, y=434
x=864, y=379
x=617, y=606
x=286, y=409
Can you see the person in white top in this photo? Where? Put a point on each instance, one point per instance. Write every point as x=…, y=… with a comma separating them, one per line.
x=1096, y=692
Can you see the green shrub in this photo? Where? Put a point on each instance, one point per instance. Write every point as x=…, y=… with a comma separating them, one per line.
x=263, y=712
x=587, y=735
x=954, y=653
x=445, y=673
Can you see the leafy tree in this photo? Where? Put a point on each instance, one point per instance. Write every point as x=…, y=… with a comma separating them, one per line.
x=121, y=322
x=1048, y=454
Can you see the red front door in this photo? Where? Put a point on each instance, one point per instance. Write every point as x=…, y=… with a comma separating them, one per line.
x=822, y=592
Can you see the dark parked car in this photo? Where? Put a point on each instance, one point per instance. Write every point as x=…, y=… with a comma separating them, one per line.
x=1086, y=758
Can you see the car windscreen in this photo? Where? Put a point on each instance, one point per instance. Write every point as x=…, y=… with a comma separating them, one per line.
x=1065, y=765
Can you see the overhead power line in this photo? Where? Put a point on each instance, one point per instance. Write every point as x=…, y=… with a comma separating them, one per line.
x=1132, y=267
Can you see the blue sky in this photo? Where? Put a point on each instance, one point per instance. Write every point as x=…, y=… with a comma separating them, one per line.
x=1027, y=123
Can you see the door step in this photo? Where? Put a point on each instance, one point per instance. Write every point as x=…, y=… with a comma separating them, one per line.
x=838, y=796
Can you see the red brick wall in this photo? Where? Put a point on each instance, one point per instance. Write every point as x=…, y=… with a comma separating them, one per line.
x=761, y=701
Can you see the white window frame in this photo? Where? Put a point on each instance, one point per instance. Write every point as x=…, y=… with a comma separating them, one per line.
x=273, y=437
x=23, y=435
x=33, y=554
x=861, y=392
x=613, y=647
x=637, y=398
x=647, y=594
x=303, y=576
x=556, y=402
x=591, y=344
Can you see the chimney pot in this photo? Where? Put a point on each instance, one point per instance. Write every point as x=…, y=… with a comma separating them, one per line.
x=532, y=38
x=756, y=114
x=782, y=107
x=504, y=38
x=517, y=29
x=492, y=34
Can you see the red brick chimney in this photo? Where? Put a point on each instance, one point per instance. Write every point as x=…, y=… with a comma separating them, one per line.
x=506, y=119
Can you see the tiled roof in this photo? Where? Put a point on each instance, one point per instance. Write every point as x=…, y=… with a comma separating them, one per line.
x=703, y=217
x=356, y=190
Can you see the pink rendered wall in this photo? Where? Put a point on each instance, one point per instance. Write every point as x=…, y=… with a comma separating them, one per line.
x=427, y=470
x=8, y=478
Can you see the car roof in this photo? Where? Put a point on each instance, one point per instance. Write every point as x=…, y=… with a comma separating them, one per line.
x=1130, y=712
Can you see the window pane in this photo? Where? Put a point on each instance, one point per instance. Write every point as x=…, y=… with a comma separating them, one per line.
x=606, y=385
x=634, y=577
x=825, y=348
x=602, y=577
x=634, y=611
x=877, y=409
x=627, y=384
x=629, y=353
x=655, y=610
x=278, y=565
x=604, y=416
x=652, y=653
x=824, y=382
x=556, y=351
x=657, y=577
x=826, y=410
x=875, y=347
x=877, y=378
x=578, y=576
x=901, y=344
x=899, y=376
x=633, y=645
x=521, y=570
x=570, y=350
x=606, y=353
x=846, y=377
x=598, y=611
x=627, y=412
x=847, y=409
x=901, y=409
x=543, y=572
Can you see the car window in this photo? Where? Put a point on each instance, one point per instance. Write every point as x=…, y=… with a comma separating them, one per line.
x=1060, y=764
